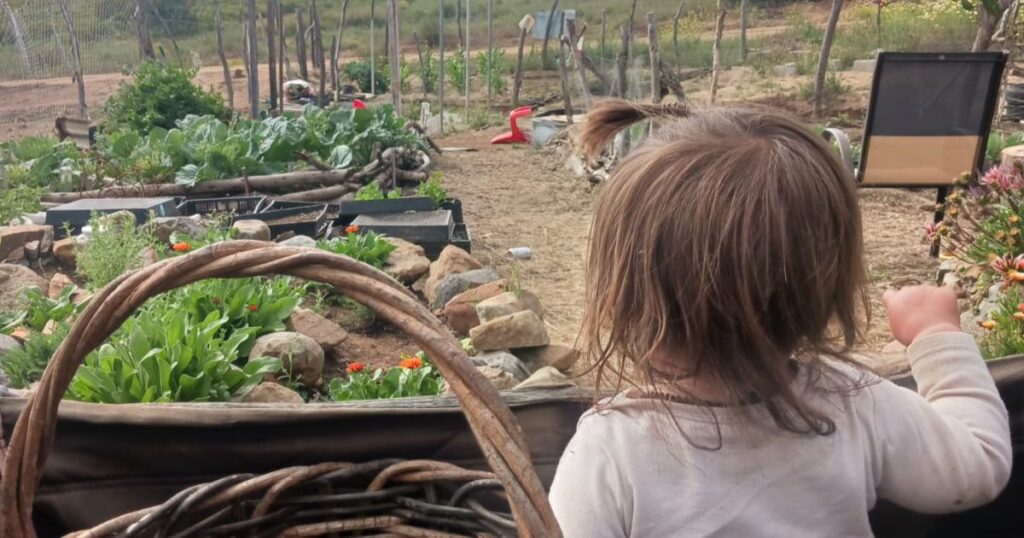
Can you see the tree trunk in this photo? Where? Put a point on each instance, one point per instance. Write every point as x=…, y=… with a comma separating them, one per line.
x=76, y=58
x=300, y=45
x=254, y=62
x=275, y=83
x=987, y=22
x=142, y=28
x=716, y=51
x=744, y=6
x=525, y=25
x=826, y=49
x=547, y=32
x=219, y=29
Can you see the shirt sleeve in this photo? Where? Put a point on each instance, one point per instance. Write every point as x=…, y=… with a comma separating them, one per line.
x=588, y=494
x=947, y=447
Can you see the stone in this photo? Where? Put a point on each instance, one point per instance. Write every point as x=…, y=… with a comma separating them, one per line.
x=545, y=378
x=452, y=260
x=504, y=361
x=501, y=379
x=123, y=219
x=32, y=251
x=21, y=334
x=8, y=344
x=14, y=279
x=302, y=357
x=16, y=255
x=64, y=251
x=508, y=303
x=864, y=66
x=14, y=237
x=453, y=285
x=256, y=230
x=148, y=256
x=460, y=312
x=408, y=262
x=519, y=330
x=785, y=70
x=558, y=356
x=303, y=241
x=272, y=393
x=51, y=325
x=58, y=282
x=326, y=333
x=163, y=228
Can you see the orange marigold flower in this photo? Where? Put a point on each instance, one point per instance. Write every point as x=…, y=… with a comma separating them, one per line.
x=355, y=367
x=988, y=324
x=411, y=363
x=181, y=247
x=352, y=229
x=253, y=307
x=1019, y=316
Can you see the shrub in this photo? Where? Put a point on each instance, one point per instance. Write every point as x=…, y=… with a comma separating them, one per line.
x=159, y=95
x=111, y=251
x=369, y=248
x=25, y=365
x=455, y=67
x=358, y=71
x=428, y=71
x=499, y=68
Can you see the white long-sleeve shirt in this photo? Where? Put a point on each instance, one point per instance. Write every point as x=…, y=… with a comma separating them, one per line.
x=629, y=472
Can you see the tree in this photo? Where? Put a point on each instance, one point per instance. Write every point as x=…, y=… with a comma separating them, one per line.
x=989, y=14
x=826, y=49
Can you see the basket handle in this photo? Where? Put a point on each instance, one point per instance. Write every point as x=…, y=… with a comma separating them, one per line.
x=492, y=422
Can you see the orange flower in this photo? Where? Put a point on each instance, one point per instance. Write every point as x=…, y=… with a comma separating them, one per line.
x=353, y=229
x=253, y=307
x=1019, y=316
x=988, y=324
x=355, y=367
x=181, y=247
x=411, y=363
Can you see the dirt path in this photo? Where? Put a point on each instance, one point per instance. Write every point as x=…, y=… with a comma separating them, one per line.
x=518, y=196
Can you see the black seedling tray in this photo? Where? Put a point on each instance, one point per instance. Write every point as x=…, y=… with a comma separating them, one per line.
x=313, y=227
x=352, y=208
x=413, y=226
x=228, y=204
x=76, y=214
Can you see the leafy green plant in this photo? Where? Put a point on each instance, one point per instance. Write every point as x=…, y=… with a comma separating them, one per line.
x=1004, y=334
x=159, y=95
x=432, y=188
x=369, y=248
x=10, y=321
x=998, y=141
x=456, y=66
x=18, y=200
x=358, y=71
x=41, y=309
x=415, y=376
x=499, y=68
x=169, y=355
x=25, y=365
x=111, y=251
x=429, y=70
x=372, y=192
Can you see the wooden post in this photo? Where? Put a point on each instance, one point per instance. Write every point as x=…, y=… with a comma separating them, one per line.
x=547, y=32
x=490, y=50
x=254, y=62
x=275, y=83
x=76, y=57
x=142, y=28
x=632, y=18
x=604, y=31
x=281, y=56
x=652, y=38
x=464, y=39
x=300, y=45
x=525, y=27
x=318, y=48
x=675, y=31
x=334, y=69
x=623, y=63
x=373, y=48
x=743, y=29
x=396, y=56
x=562, y=75
x=716, y=52
x=440, y=86
x=336, y=50
x=826, y=49
x=463, y=42
x=219, y=29
x=578, y=56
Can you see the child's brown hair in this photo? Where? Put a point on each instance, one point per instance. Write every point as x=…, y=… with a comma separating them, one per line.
x=731, y=238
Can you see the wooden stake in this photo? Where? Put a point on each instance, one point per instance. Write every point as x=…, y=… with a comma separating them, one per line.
x=373, y=48
x=300, y=45
x=562, y=72
x=76, y=58
x=275, y=83
x=604, y=31
x=463, y=42
x=490, y=50
x=716, y=52
x=440, y=86
x=464, y=39
x=142, y=29
x=547, y=32
x=578, y=56
x=525, y=27
x=396, y=56
x=826, y=49
x=623, y=82
x=743, y=29
x=318, y=49
x=675, y=31
x=336, y=50
x=254, y=62
x=652, y=39
x=632, y=18
x=228, y=83
x=281, y=57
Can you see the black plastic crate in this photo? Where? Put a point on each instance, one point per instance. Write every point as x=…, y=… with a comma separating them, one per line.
x=227, y=204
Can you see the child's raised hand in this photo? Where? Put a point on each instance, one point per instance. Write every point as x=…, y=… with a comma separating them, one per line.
x=918, y=311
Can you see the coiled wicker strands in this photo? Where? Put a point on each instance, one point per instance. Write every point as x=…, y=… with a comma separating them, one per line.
x=394, y=498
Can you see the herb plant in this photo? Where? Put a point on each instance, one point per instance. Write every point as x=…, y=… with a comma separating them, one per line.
x=111, y=251
x=41, y=309
x=367, y=247
x=432, y=188
x=25, y=365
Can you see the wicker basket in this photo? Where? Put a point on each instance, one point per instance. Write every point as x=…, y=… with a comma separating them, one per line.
x=379, y=498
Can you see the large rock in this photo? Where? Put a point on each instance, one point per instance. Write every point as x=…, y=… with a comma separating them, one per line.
x=8, y=344
x=256, y=230
x=504, y=361
x=272, y=393
x=508, y=303
x=519, y=330
x=163, y=228
x=408, y=262
x=501, y=379
x=13, y=238
x=558, y=356
x=460, y=313
x=303, y=241
x=326, y=333
x=302, y=357
x=453, y=285
x=452, y=260
x=58, y=282
x=64, y=251
x=14, y=279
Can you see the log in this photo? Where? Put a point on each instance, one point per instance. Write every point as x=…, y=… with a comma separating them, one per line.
x=317, y=195
x=219, y=29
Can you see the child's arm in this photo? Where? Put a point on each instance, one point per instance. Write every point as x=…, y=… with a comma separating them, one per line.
x=588, y=493
x=946, y=448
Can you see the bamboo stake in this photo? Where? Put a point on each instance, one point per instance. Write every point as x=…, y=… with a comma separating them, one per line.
x=525, y=27
x=396, y=56
x=562, y=75
x=300, y=45
x=547, y=33
x=716, y=52
x=336, y=49
x=652, y=39
x=254, y=63
x=228, y=83
x=76, y=58
x=275, y=83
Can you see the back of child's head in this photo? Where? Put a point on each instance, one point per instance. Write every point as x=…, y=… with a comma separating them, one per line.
x=730, y=239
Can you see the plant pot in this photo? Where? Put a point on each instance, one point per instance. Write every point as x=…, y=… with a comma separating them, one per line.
x=455, y=206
